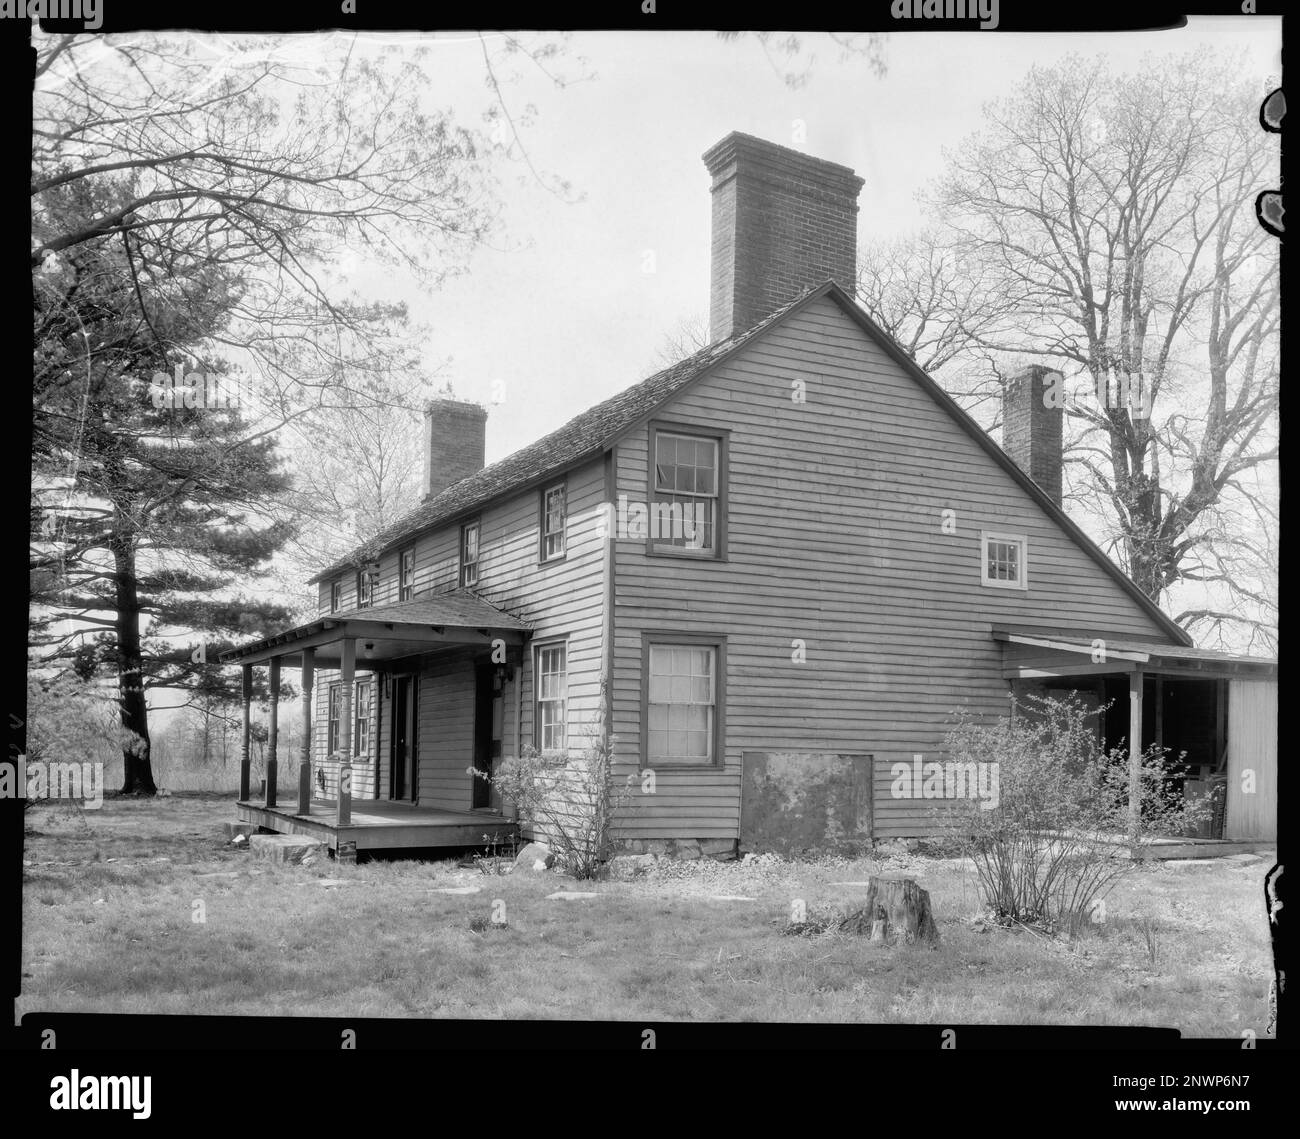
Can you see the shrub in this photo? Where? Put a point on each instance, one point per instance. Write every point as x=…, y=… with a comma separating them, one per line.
x=1045, y=849
x=570, y=800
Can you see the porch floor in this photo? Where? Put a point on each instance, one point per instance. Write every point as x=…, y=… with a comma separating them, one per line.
x=377, y=824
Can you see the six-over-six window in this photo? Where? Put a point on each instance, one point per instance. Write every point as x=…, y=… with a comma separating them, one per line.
x=686, y=506
x=681, y=703
x=552, y=688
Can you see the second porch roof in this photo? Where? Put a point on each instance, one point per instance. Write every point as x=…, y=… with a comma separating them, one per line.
x=389, y=632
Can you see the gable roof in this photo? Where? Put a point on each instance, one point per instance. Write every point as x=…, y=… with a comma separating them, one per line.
x=598, y=428
x=583, y=437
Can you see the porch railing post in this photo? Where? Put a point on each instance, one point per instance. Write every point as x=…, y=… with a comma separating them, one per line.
x=245, y=764
x=1135, y=755
x=273, y=735
x=347, y=668
x=304, y=762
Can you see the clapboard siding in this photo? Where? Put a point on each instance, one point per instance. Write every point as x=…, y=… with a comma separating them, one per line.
x=835, y=538
x=559, y=600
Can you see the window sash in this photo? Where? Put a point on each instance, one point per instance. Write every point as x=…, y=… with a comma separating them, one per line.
x=363, y=709
x=552, y=687
x=332, y=736
x=406, y=575
x=554, y=513
x=336, y=596
x=681, y=704
x=687, y=477
x=365, y=589
x=1003, y=560
x=469, y=554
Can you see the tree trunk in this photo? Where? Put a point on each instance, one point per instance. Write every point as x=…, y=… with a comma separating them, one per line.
x=136, y=769
x=895, y=907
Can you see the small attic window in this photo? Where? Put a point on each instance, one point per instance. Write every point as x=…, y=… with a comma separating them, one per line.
x=1004, y=560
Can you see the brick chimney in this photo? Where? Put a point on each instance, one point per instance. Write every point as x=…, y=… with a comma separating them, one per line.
x=454, y=438
x=1032, y=430
x=782, y=222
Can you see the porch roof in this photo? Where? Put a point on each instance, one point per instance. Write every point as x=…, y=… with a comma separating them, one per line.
x=390, y=632
x=1035, y=652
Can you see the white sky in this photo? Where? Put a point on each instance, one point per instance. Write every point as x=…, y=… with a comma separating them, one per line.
x=559, y=308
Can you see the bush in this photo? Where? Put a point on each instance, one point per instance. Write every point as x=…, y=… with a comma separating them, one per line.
x=570, y=801
x=1046, y=848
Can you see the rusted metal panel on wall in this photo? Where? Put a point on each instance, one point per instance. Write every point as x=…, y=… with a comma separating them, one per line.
x=805, y=801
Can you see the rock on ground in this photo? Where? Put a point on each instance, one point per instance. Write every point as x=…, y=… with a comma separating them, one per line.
x=535, y=856
x=290, y=849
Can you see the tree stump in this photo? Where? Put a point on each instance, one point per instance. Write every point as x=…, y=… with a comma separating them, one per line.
x=895, y=907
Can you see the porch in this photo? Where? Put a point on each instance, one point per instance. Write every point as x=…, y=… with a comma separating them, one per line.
x=362, y=789
x=1214, y=713
x=377, y=824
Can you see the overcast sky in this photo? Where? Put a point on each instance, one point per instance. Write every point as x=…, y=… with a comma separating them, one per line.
x=560, y=310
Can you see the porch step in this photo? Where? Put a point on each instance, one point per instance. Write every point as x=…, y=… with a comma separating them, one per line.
x=290, y=849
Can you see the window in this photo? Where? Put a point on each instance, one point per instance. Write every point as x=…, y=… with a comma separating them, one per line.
x=363, y=707
x=332, y=744
x=682, y=706
x=469, y=553
x=686, y=502
x=406, y=575
x=366, y=588
x=552, y=687
x=552, y=529
x=336, y=596
x=1004, y=560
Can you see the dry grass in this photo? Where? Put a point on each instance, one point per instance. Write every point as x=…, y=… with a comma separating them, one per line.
x=109, y=898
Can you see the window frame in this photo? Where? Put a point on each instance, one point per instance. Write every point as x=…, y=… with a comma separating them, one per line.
x=357, y=686
x=670, y=639
x=333, y=707
x=405, y=592
x=561, y=485
x=538, y=648
x=336, y=595
x=364, y=602
x=476, y=525
x=720, y=436
x=990, y=536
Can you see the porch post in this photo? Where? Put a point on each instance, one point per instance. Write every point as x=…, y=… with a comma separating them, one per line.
x=245, y=765
x=304, y=762
x=347, y=668
x=1135, y=754
x=273, y=735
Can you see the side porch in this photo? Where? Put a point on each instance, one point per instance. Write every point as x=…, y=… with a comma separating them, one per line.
x=1214, y=713
x=400, y=705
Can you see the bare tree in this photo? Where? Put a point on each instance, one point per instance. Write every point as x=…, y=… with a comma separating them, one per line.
x=1106, y=223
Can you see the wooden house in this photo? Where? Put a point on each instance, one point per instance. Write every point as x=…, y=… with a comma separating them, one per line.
x=770, y=572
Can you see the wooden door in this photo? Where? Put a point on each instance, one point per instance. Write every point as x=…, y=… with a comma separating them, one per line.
x=404, y=781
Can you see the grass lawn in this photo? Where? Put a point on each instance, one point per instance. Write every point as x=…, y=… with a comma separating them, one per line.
x=110, y=898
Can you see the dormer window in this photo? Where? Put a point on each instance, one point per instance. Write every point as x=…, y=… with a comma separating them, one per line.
x=469, y=554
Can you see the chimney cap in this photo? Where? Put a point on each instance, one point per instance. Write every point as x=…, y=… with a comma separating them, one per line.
x=737, y=147
x=444, y=403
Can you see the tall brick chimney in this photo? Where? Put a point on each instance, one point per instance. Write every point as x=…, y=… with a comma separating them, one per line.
x=1031, y=430
x=782, y=221
x=454, y=442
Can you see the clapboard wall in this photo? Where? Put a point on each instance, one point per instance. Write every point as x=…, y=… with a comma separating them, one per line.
x=836, y=539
